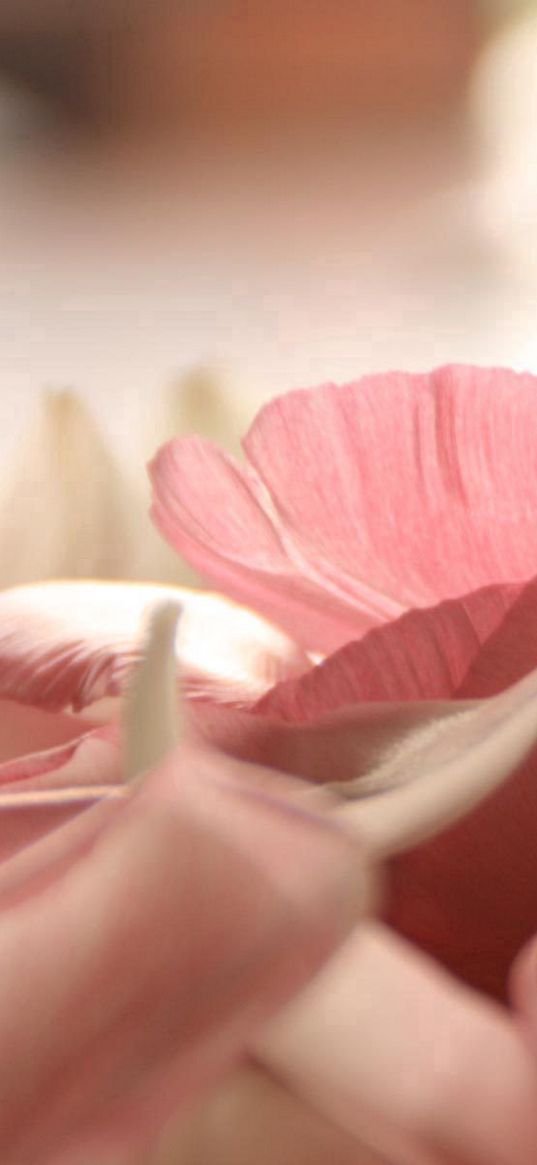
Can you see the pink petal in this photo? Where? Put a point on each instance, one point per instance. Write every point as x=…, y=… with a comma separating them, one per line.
x=42, y=790
x=27, y=817
x=72, y=644
x=386, y=1044
x=92, y=757
x=450, y=787
x=509, y=652
x=426, y=654
x=251, y=1118
x=344, y=746
x=523, y=991
x=140, y=971
x=208, y=508
x=423, y=487
x=25, y=729
x=317, y=513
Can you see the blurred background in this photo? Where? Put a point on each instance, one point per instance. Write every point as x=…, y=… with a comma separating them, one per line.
x=207, y=202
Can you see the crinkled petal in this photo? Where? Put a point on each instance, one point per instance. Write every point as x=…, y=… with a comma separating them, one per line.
x=508, y=653
x=386, y=1044
x=426, y=654
x=422, y=487
x=145, y=963
x=211, y=511
x=72, y=644
x=392, y=492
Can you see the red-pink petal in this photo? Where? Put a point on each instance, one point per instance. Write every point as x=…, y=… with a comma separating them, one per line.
x=142, y=970
x=509, y=652
x=424, y=655
x=468, y=895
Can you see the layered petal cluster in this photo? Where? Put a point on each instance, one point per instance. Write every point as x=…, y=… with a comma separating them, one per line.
x=387, y=527
x=146, y=930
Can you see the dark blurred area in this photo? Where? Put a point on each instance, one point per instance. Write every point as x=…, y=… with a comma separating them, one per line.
x=116, y=63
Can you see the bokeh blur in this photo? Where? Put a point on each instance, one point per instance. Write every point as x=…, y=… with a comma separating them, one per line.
x=207, y=202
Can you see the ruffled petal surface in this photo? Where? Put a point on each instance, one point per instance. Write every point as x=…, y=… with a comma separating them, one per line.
x=426, y=654
x=138, y=957
x=212, y=513
x=70, y=645
x=448, y=508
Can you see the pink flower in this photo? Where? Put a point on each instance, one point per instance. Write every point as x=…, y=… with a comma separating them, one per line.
x=146, y=929
x=422, y=718
x=391, y=524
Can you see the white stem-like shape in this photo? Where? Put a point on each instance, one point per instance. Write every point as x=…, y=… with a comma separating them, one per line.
x=152, y=707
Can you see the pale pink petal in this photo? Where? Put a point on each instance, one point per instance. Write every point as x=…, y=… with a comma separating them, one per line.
x=42, y=790
x=209, y=510
x=251, y=1118
x=25, y=728
x=93, y=757
x=141, y=970
x=426, y=654
x=392, y=492
x=523, y=991
x=68, y=645
x=26, y=817
x=420, y=487
x=387, y=1045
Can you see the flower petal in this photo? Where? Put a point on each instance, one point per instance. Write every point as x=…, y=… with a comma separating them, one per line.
x=448, y=787
x=142, y=968
x=210, y=510
x=42, y=790
x=25, y=729
x=28, y=816
x=426, y=654
x=443, y=771
x=249, y=1118
x=509, y=652
x=386, y=1044
x=423, y=487
x=316, y=512
x=71, y=644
